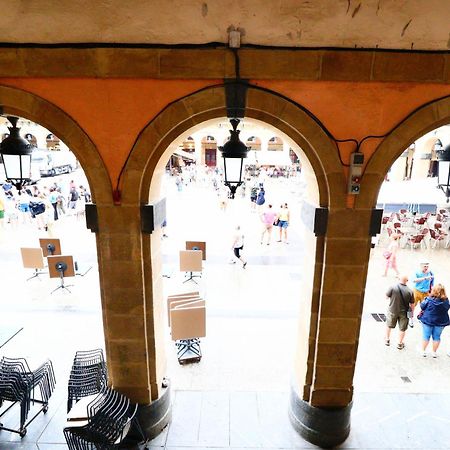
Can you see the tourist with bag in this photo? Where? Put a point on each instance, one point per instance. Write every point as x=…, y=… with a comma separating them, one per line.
x=401, y=299
x=268, y=218
x=434, y=318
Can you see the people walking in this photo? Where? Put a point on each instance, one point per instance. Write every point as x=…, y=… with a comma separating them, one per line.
x=261, y=199
x=53, y=199
x=237, y=246
x=391, y=254
x=268, y=217
x=401, y=299
x=283, y=222
x=73, y=198
x=253, y=196
x=434, y=318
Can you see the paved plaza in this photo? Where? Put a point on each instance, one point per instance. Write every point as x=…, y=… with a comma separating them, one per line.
x=236, y=397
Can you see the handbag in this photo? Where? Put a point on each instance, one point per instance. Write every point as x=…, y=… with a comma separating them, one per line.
x=276, y=222
x=419, y=316
x=409, y=311
x=387, y=254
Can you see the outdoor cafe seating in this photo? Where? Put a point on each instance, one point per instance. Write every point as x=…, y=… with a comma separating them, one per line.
x=437, y=237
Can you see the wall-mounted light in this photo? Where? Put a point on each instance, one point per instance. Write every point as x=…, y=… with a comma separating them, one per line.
x=233, y=152
x=16, y=155
x=444, y=171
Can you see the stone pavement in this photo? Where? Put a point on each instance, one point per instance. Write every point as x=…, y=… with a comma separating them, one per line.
x=236, y=397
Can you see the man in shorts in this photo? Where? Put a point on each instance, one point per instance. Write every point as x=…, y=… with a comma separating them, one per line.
x=401, y=299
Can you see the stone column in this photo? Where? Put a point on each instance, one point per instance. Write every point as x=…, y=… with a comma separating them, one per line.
x=199, y=151
x=321, y=401
x=128, y=316
x=398, y=169
x=422, y=158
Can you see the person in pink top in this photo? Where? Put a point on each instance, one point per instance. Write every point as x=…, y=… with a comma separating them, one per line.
x=268, y=217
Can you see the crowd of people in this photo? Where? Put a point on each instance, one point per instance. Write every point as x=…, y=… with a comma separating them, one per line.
x=428, y=299
x=41, y=204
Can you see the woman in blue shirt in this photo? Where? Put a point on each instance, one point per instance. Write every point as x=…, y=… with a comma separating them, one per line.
x=434, y=317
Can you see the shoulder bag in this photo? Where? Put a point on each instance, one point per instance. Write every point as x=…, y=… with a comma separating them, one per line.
x=409, y=312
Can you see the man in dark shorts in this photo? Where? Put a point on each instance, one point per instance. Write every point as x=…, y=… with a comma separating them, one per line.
x=401, y=299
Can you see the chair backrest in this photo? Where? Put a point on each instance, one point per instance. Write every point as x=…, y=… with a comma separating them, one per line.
x=424, y=231
x=109, y=414
x=88, y=375
x=397, y=225
x=437, y=225
x=433, y=234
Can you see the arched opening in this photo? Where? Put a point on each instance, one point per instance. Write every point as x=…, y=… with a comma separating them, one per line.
x=188, y=116
x=384, y=369
x=52, y=319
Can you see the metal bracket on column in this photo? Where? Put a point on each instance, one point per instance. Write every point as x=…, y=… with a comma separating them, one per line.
x=91, y=217
x=152, y=216
x=315, y=219
x=375, y=221
x=236, y=97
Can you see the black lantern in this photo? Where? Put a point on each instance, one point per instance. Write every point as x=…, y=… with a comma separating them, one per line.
x=16, y=156
x=444, y=171
x=234, y=151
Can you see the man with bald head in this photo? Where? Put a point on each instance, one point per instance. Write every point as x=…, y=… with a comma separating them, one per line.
x=401, y=299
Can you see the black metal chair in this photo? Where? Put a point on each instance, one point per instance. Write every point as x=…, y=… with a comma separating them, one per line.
x=18, y=384
x=88, y=376
x=111, y=415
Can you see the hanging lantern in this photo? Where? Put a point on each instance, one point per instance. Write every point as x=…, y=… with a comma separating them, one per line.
x=16, y=155
x=233, y=152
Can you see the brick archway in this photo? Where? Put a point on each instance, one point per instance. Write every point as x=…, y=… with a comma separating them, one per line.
x=425, y=119
x=30, y=106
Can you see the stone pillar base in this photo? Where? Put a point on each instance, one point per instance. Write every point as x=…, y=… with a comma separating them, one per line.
x=154, y=417
x=323, y=427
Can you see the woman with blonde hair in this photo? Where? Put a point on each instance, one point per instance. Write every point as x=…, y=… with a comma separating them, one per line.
x=434, y=317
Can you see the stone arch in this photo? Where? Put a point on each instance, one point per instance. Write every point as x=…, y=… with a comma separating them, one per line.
x=423, y=120
x=145, y=167
x=30, y=106
x=210, y=103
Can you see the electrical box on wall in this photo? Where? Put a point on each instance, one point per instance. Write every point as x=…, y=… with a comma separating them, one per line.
x=355, y=173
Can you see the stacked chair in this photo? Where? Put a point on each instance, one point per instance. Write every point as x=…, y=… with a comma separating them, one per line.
x=106, y=420
x=110, y=418
x=88, y=375
x=18, y=385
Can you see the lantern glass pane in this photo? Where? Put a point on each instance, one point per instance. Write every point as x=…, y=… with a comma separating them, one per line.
x=233, y=169
x=17, y=167
x=443, y=172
